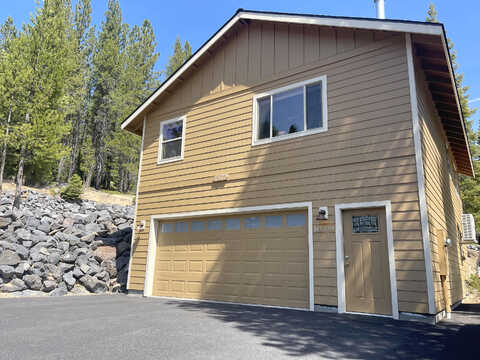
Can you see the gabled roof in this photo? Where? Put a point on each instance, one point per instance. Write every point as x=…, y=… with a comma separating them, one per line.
x=134, y=120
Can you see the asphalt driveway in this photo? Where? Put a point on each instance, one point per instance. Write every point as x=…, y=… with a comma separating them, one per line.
x=123, y=327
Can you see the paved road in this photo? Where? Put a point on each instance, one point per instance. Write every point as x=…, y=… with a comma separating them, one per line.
x=122, y=327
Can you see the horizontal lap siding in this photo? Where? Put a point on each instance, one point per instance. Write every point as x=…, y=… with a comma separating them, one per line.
x=366, y=155
x=443, y=203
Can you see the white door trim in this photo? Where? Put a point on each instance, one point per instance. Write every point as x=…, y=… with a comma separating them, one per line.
x=340, y=255
x=154, y=220
x=417, y=141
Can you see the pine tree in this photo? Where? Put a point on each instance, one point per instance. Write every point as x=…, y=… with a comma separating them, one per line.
x=43, y=53
x=64, y=91
x=107, y=69
x=79, y=89
x=179, y=56
x=469, y=187
x=8, y=34
x=138, y=80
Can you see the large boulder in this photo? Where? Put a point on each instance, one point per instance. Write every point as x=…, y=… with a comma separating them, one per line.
x=7, y=271
x=49, y=285
x=12, y=286
x=33, y=282
x=93, y=284
x=5, y=221
x=69, y=279
x=78, y=273
x=110, y=267
x=61, y=290
x=103, y=253
x=21, y=269
x=53, y=272
x=9, y=257
x=22, y=251
x=93, y=228
x=23, y=234
x=53, y=258
x=68, y=258
x=44, y=227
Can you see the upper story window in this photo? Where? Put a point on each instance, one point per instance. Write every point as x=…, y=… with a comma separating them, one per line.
x=291, y=111
x=172, y=140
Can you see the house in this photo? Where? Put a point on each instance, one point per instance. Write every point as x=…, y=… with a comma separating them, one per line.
x=307, y=162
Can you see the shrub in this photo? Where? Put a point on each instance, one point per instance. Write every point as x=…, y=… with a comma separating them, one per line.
x=474, y=282
x=73, y=190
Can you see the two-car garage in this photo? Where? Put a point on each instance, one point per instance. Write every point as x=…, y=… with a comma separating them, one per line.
x=251, y=258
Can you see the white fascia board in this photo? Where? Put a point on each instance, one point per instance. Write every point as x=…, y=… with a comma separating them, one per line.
x=298, y=19
x=384, y=25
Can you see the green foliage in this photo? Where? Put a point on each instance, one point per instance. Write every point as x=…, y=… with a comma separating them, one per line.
x=179, y=56
x=432, y=14
x=474, y=282
x=74, y=188
x=66, y=88
x=469, y=187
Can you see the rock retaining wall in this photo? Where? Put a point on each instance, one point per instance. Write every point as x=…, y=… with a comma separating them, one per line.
x=55, y=247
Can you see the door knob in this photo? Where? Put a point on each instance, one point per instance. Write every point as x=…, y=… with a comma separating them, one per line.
x=347, y=257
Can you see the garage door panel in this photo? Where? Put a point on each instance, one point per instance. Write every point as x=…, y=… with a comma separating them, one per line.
x=235, y=259
x=195, y=266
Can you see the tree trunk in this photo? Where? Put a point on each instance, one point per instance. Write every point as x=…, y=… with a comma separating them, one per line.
x=18, y=187
x=4, y=150
x=61, y=164
x=88, y=180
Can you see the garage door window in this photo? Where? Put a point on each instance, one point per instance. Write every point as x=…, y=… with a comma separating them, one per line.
x=198, y=225
x=232, y=224
x=273, y=221
x=252, y=222
x=167, y=227
x=295, y=220
x=215, y=224
x=181, y=227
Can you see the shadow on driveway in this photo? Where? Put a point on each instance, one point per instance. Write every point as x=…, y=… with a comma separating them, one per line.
x=333, y=336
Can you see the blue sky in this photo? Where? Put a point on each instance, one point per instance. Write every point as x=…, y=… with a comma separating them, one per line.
x=196, y=21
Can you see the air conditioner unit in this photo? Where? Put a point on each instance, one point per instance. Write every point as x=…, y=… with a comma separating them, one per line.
x=468, y=224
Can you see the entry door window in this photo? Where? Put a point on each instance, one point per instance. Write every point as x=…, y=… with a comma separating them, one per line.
x=364, y=224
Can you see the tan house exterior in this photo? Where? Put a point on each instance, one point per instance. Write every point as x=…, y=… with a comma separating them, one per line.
x=307, y=162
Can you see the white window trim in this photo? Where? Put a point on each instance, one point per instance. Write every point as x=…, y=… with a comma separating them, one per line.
x=324, y=128
x=160, y=140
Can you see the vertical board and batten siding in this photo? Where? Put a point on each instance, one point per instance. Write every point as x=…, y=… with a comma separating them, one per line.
x=444, y=205
x=367, y=154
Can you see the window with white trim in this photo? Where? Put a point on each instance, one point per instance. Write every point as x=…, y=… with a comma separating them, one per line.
x=171, y=140
x=295, y=110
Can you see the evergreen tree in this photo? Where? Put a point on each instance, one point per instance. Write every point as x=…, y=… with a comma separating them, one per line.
x=107, y=69
x=79, y=89
x=43, y=53
x=8, y=34
x=469, y=187
x=179, y=56
x=138, y=80
x=64, y=91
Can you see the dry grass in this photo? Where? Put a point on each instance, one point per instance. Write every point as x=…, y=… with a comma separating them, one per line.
x=90, y=194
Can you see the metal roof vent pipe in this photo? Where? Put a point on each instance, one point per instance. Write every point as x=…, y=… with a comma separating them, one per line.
x=380, y=8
